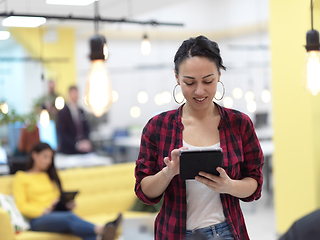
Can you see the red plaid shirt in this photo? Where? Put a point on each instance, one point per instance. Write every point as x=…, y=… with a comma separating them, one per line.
x=243, y=157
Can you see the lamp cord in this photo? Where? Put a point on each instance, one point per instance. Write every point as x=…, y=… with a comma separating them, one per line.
x=5, y=4
x=311, y=14
x=96, y=16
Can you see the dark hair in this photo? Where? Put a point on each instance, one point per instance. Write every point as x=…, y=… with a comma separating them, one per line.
x=73, y=87
x=201, y=47
x=39, y=147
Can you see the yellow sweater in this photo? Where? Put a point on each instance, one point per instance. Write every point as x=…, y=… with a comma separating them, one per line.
x=34, y=192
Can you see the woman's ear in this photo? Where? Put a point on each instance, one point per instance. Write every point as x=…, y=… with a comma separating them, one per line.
x=177, y=78
x=34, y=156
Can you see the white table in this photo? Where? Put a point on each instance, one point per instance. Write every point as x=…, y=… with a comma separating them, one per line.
x=63, y=161
x=4, y=169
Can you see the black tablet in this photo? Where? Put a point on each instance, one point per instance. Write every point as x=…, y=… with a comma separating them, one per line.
x=64, y=198
x=193, y=161
x=68, y=196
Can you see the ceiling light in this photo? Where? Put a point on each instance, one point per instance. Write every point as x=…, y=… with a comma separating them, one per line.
x=4, y=108
x=249, y=96
x=158, y=99
x=165, y=97
x=142, y=97
x=180, y=98
x=44, y=118
x=70, y=2
x=228, y=102
x=252, y=106
x=266, y=96
x=135, y=112
x=20, y=21
x=237, y=93
x=4, y=35
x=59, y=102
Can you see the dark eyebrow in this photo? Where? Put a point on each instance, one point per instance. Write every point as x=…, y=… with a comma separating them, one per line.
x=208, y=76
x=188, y=77
x=202, y=78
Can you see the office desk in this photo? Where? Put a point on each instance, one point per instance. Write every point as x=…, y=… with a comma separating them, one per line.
x=63, y=161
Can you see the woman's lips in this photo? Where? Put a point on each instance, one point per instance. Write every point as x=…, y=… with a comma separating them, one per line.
x=200, y=100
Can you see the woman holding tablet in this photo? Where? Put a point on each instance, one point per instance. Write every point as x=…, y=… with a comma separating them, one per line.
x=37, y=191
x=208, y=203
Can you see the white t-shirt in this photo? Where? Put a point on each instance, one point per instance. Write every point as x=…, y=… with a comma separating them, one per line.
x=204, y=206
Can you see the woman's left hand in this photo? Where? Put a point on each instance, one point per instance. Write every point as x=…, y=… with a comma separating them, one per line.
x=71, y=205
x=221, y=184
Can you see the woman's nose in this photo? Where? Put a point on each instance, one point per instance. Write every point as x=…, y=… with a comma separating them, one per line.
x=199, y=89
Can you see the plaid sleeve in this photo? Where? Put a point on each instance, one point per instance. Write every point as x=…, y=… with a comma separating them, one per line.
x=147, y=164
x=253, y=156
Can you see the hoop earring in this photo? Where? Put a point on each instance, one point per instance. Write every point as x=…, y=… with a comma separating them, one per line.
x=174, y=96
x=224, y=90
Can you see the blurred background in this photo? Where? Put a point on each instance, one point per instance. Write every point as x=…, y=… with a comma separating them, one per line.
x=262, y=46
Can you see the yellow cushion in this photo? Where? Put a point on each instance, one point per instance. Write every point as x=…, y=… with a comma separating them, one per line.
x=6, y=230
x=29, y=235
x=103, y=189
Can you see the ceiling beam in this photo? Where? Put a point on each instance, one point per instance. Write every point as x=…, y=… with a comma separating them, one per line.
x=178, y=34
x=97, y=18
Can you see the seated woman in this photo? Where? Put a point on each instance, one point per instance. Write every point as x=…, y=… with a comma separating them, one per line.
x=37, y=192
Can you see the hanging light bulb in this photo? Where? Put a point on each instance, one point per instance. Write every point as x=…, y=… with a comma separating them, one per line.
x=158, y=99
x=311, y=78
x=4, y=108
x=237, y=93
x=228, y=102
x=165, y=97
x=145, y=45
x=135, y=112
x=142, y=97
x=252, y=106
x=59, y=102
x=180, y=98
x=266, y=96
x=249, y=96
x=44, y=118
x=98, y=95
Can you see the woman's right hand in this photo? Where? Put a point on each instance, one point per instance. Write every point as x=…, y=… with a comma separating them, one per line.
x=50, y=209
x=172, y=168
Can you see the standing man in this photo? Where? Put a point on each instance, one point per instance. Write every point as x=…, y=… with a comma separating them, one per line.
x=73, y=128
x=49, y=101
